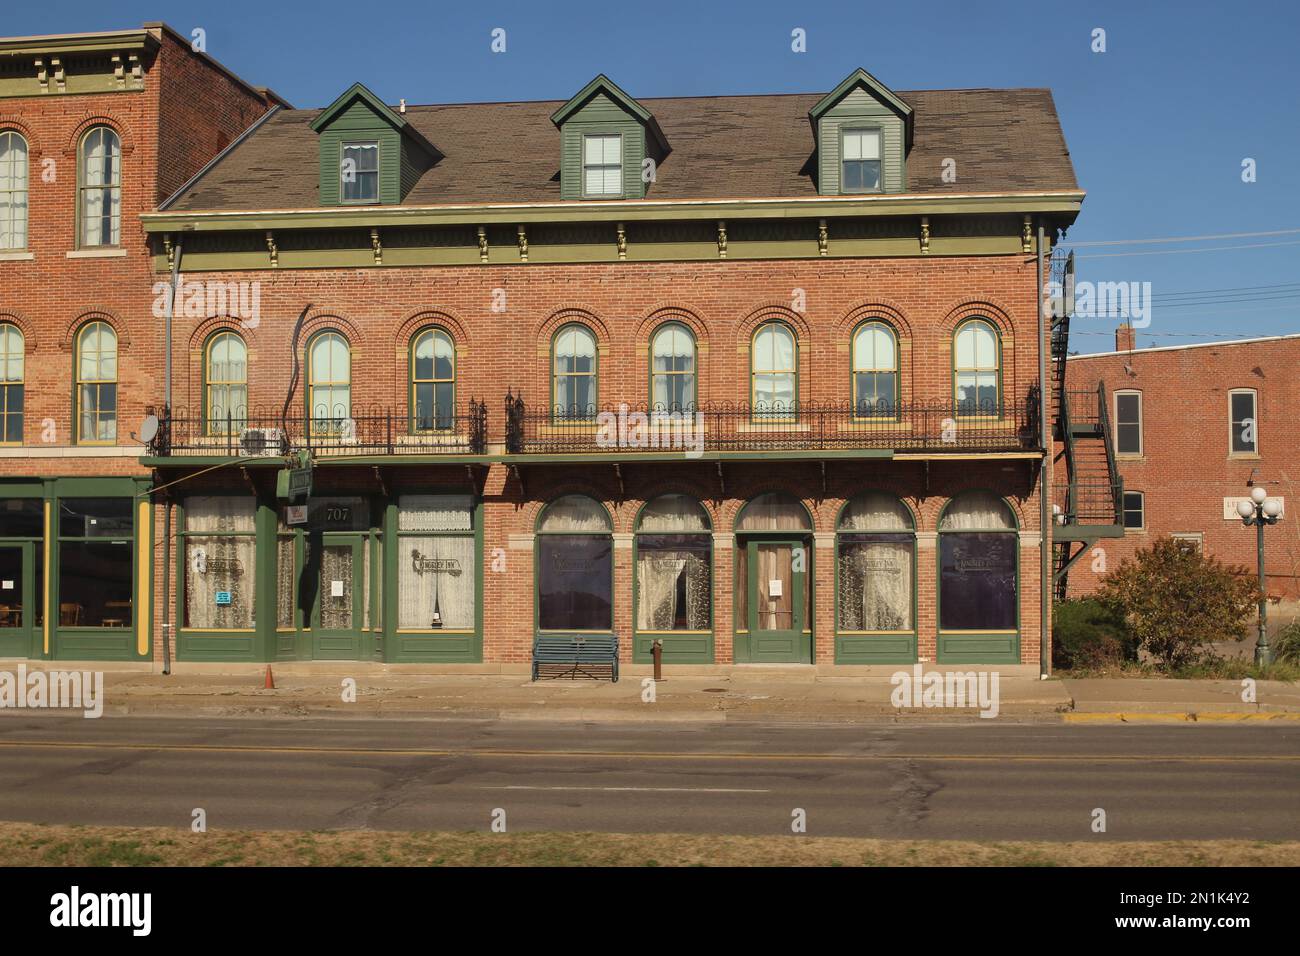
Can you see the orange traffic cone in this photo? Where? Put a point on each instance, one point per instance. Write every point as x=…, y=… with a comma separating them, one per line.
x=269, y=684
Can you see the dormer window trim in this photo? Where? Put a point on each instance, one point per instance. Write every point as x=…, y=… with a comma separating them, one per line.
x=856, y=129
x=603, y=166
x=372, y=174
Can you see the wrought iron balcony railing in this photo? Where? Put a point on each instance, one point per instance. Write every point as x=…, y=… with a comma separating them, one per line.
x=340, y=432
x=742, y=427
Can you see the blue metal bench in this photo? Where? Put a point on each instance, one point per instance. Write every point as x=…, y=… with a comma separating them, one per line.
x=575, y=655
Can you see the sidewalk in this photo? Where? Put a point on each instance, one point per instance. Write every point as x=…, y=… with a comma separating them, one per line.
x=780, y=694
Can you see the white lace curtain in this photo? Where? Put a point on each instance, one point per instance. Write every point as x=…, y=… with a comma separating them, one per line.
x=977, y=511
x=875, y=575
x=774, y=512
x=435, y=513
x=435, y=572
x=574, y=513
x=673, y=514
x=220, y=556
x=875, y=511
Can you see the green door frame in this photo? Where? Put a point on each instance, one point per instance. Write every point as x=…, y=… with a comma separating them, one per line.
x=20, y=641
x=320, y=649
x=799, y=636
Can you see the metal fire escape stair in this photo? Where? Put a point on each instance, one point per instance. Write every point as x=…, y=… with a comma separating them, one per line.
x=1093, y=504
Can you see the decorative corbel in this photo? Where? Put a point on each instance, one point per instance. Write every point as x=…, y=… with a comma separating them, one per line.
x=523, y=244
x=273, y=249
x=823, y=238
x=137, y=68
x=171, y=252
x=722, y=239
x=1027, y=235
x=379, y=479
x=622, y=242
x=119, y=71
x=925, y=235
x=377, y=246
x=42, y=75
x=482, y=244
x=60, y=78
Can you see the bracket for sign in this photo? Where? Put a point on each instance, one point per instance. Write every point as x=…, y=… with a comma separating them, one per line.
x=379, y=477
x=722, y=480
x=618, y=473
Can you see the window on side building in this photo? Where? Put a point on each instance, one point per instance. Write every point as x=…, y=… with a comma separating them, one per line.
x=1243, y=421
x=1128, y=423
x=1134, y=510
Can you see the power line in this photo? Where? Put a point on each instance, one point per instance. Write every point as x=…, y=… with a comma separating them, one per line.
x=1174, y=252
x=1222, y=235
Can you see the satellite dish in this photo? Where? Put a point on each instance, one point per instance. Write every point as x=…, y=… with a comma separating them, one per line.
x=149, y=428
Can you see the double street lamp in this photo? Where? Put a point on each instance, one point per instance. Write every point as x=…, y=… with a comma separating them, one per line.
x=1260, y=510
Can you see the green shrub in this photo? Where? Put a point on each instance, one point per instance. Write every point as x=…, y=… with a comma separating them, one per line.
x=1286, y=646
x=1087, y=634
x=1177, y=600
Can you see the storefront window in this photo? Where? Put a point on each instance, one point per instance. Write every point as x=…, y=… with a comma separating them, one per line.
x=284, y=581
x=220, y=555
x=22, y=518
x=673, y=566
x=875, y=546
x=575, y=572
x=977, y=564
x=95, y=566
x=435, y=562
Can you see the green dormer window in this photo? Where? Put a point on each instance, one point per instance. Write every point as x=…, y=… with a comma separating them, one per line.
x=602, y=164
x=359, y=172
x=861, y=160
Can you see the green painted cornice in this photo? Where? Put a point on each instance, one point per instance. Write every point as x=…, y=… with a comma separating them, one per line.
x=1065, y=205
x=114, y=41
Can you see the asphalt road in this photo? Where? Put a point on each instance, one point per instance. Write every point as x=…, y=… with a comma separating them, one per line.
x=943, y=781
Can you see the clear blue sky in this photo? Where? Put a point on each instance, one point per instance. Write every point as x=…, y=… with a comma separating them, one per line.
x=1158, y=125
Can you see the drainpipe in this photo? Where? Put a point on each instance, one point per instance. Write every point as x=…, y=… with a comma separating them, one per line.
x=1044, y=510
x=167, y=501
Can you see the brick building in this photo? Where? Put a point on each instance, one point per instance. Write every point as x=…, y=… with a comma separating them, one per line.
x=1194, y=428
x=558, y=367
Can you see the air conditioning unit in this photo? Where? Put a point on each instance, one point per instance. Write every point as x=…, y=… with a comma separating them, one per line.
x=262, y=441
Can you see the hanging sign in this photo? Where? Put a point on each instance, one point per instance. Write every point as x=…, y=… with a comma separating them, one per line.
x=295, y=515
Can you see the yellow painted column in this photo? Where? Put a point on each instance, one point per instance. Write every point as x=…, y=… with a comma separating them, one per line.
x=144, y=575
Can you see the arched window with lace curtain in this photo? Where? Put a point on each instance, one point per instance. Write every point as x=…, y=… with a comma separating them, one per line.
x=225, y=382
x=329, y=383
x=13, y=190
x=672, y=368
x=100, y=200
x=674, y=548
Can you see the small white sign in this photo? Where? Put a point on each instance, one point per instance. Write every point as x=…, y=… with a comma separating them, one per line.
x=1230, y=507
x=336, y=589
x=774, y=587
x=295, y=514
x=7, y=585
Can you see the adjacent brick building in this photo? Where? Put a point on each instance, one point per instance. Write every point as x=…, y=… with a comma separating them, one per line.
x=754, y=376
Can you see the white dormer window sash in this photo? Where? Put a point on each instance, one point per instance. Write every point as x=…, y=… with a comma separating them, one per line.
x=359, y=172
x=860, y=161
x=602, y=164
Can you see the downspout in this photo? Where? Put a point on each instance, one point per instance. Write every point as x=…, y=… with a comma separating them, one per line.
x=167, y=501
x=1044, y=510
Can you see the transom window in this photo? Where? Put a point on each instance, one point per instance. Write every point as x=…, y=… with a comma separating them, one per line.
x=13, y=190
x=977, y=369
x=329, y=383
x=875, y=371
x=602, y=164
x=1243, y=421
x=774, y=372
x=433, y=381
x=359, y=172
x=12, y=370
x=227, y=384
x=860, y=161
x=672, y=386
x=574, y=374
x=101, y=187
x=1128, y=423
x=96, y=362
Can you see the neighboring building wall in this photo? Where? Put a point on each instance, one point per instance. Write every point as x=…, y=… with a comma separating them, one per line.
x=1186, y=468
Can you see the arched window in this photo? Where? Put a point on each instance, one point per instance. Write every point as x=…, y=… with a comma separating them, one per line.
x=329, y=383
x=674, y=551
x=977, y=369
x=433, y=381
x=978, y=548
x=101, y=187
x=13, y=190
x=875, y=545
x=575, y=566
x=12, y=372
x=875, y=371
x=672, y=370
x=773, y=369
x=96, y=362
x=225, y=377
x=573, y=390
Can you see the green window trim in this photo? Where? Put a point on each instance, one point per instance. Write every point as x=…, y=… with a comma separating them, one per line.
x=640, y=533
x=108, y=186
x=1013, y=654
x=435, y=334
x=773, y=374
x=214, y=425
x=539, y=533
x=977, y=370
x=101, y=384
x=895, y=369
x=13, y=377
x=328, y=424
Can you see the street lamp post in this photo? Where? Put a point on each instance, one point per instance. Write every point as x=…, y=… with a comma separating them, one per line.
x=1260, y=510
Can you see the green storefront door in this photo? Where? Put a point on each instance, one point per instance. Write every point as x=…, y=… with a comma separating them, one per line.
x=778, y=618
x=337, y=617
x=17, y=600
